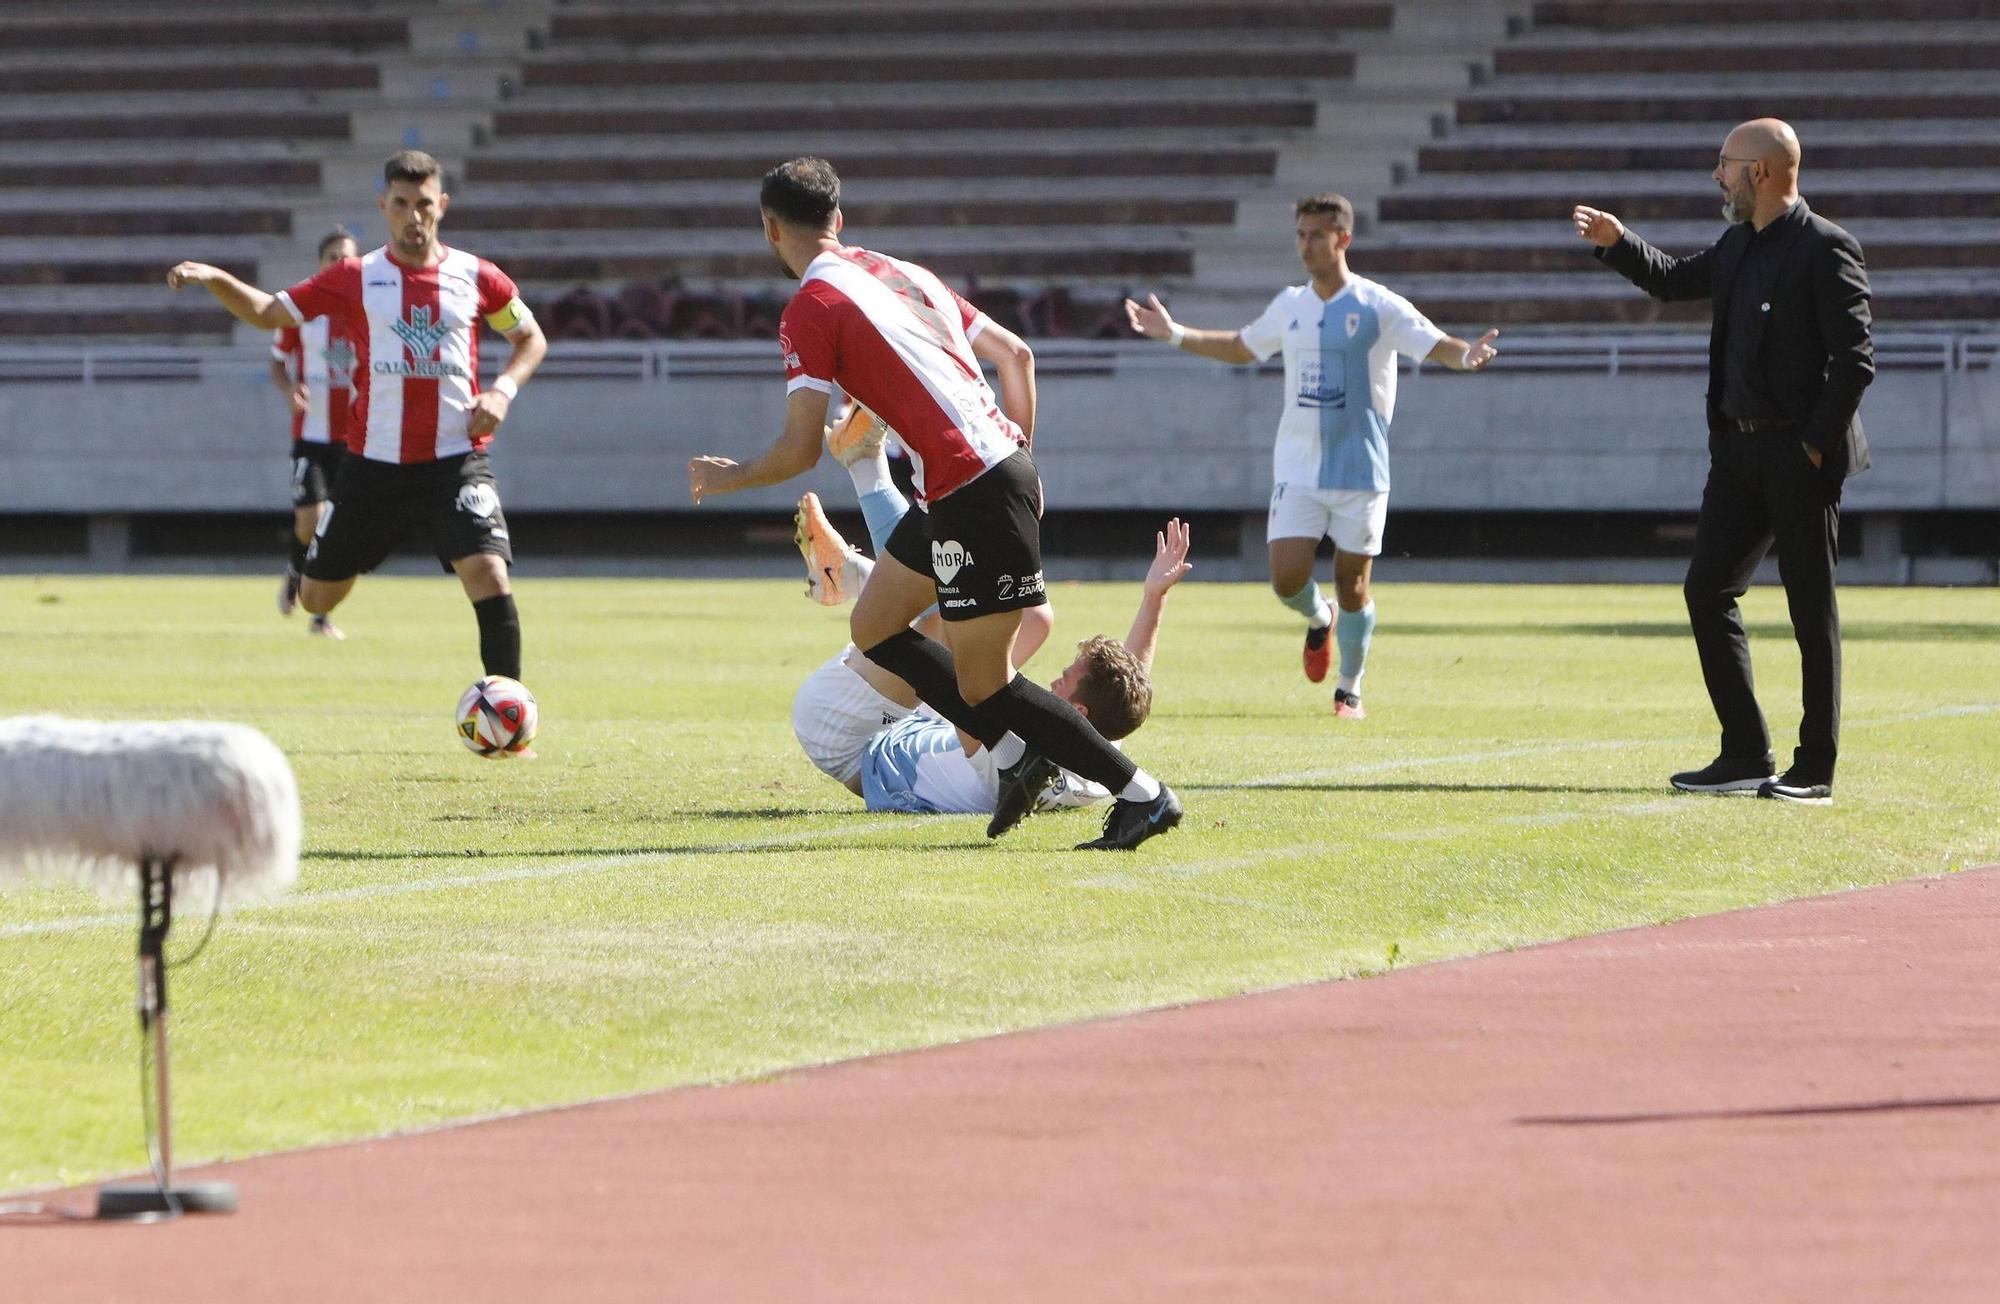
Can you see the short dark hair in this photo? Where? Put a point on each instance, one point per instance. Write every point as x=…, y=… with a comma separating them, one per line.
x=1343, y=212
x=334, y=237
x=412, y=165
x=804, y=192
x=1115, y=690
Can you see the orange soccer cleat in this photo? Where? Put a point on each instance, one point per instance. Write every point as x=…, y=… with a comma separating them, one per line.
x=1319, y=652
x=825, y=553
x=857, y=436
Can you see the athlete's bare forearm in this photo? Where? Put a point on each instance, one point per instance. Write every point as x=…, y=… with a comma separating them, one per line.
x=530, y=347
x=1013, y=363
x=1223, y=346
x=246, y=303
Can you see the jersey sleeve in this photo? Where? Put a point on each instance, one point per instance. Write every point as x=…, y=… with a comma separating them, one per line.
x=1266, y=335
x=333, y=291
x=970, y=319
x=500, y=300
x=806, y=337
x=285, y=345
x=1404, y=328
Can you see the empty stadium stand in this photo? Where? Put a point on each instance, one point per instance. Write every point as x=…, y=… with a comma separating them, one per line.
x=1622, y=104
x=1046, y=156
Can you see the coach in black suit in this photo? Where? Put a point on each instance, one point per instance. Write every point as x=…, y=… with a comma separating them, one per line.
x=1788, y=358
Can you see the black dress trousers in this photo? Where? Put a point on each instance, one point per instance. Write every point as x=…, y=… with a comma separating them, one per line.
x=1763, y=489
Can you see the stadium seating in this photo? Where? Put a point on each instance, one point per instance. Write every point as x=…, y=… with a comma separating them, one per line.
x=1077, y=151
x=1622, y=105
x=128, y=141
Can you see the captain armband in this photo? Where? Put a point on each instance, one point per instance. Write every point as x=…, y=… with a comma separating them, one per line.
x=510, y=316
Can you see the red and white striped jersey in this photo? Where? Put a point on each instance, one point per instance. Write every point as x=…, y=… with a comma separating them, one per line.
x=899, y=341
x=416, y=334
x=324, y=361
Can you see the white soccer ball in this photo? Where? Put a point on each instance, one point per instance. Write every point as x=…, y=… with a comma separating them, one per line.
x=497, y=716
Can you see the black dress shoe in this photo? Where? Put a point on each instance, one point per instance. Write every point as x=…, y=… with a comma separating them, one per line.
x=1728, y=775
x=1797, y=788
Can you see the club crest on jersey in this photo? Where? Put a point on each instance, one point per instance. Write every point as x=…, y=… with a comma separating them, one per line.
x=478, y=499
x=340, y=362
x=420, y=334
x=1353, y=324
x=948, y=558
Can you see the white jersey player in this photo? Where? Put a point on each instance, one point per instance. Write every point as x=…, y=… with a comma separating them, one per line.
x=1340, y=335
x=864, y=728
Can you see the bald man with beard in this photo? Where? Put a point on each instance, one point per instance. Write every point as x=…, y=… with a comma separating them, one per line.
x=1789, y=355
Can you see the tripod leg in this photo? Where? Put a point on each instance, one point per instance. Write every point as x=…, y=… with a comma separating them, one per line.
x=143, y=1202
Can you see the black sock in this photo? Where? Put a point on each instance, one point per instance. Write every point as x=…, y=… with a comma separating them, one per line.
x=1058, y=731
x=298, y=555
x=926, y=666
x=499, y=635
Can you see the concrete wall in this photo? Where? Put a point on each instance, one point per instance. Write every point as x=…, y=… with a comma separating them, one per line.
x=1127, y=428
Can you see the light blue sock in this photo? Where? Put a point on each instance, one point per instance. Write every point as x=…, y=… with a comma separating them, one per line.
x=882, y=509
x=1308, y=603
x=1351, y=631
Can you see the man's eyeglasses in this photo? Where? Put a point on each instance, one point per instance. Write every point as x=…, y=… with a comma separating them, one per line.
x=1724, y=160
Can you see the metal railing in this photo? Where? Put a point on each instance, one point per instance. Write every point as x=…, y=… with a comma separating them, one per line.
x=653, y=362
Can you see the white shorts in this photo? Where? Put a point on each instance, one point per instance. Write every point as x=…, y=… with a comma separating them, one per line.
x=836, y=712
x=1352, y=518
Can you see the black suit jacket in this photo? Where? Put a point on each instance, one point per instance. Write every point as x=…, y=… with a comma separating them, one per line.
x=1813, y=347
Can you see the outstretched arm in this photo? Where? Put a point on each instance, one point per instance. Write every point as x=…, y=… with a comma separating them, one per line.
x=1661, y=275
x=1460, y=356
x=794, y=454
x=246, y=303
x=1170, y=563
x=1154, y=322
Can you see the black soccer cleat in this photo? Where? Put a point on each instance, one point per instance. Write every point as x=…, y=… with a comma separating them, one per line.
x=1128, y=823
x=1727, y=776
x=1021, y=786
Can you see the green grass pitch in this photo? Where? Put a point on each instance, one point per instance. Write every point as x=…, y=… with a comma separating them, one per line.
x=672, y=895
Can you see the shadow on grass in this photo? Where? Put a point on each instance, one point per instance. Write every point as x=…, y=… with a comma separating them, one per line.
x=1774, y=1111
x=469, y=854
x=1410, y=786
x=1861, y=631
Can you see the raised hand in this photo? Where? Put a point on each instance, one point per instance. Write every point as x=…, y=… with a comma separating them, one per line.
x=1597, y=226
x=1170, y=563
x=1481, y=351
x=1150, y=319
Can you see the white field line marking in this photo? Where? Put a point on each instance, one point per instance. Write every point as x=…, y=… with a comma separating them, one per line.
x=517, y=874
x=530, y=873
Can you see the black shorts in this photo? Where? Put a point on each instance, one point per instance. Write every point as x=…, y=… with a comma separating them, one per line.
x=313, y=469
x=981, y=544
x=451, y=502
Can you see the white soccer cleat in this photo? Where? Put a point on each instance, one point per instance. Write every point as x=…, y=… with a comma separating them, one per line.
x=321, y=627
x=858, y=436
x=825, y=552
